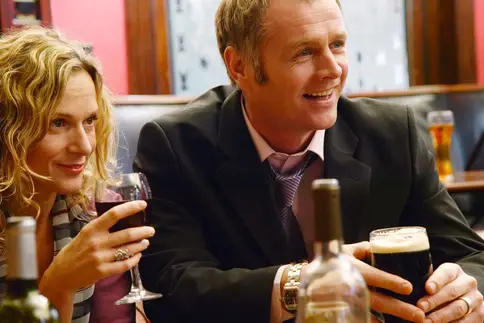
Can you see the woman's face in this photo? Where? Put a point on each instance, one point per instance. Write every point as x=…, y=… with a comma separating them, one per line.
x=63, y=153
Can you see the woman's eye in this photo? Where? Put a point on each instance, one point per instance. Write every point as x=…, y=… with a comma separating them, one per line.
x=58, y=123
x=91, y=120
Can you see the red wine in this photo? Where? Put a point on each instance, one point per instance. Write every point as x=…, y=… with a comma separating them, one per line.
x=135, y=220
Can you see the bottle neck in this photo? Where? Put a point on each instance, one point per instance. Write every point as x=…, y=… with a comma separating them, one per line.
x=20, y=288
x=328, y=249
x=21, y=254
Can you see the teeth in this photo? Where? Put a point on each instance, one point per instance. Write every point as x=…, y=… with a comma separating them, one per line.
x=325, y=93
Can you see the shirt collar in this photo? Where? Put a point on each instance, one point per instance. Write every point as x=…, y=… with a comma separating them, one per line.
x=316, y=145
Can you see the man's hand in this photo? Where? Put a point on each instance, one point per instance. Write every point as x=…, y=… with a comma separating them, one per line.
x=445, y=287
x=380, y=279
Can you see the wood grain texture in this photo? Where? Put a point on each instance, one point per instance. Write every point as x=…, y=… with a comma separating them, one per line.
x=441, y=44
x=140, y=47
x=465, y=31
x=466, y=181
x=421, y=90
x=148, y=47
x=417, y=90
x=7, y=10
x=162, y=47
x=45, y=13
x=414, y=28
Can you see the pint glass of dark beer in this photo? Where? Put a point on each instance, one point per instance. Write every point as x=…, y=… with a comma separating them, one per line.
x=405, y=252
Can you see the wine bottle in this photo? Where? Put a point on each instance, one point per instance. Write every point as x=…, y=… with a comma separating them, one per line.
x=332, y=290
x=23, y=302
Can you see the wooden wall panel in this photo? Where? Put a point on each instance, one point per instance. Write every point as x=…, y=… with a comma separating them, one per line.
x=162, y=47
x=139, y=36
x=465, y=30
x=441, y=43
x=148, y=48
x=6, y=14
x=414, y=21
x=45, y=13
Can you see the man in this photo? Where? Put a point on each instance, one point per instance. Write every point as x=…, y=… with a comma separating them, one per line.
x=222, y=241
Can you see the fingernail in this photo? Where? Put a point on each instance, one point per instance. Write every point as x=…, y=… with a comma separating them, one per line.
x=146, y=242
x=152, y=231
x=408, y=287
x=424, y=306
x=428, y=321
x=142, y=203
x=432, y=287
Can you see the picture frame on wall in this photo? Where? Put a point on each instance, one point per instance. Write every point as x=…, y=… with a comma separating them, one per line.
x=26, y=13
x=17, y=13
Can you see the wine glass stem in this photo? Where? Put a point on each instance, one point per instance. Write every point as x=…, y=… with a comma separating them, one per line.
x=136, y=280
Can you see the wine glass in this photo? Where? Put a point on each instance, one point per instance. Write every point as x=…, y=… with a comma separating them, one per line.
x=124, y=188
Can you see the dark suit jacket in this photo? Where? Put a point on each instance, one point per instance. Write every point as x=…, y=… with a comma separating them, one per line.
x=219, y=242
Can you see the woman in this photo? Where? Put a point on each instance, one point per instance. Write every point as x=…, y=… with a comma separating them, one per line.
x=56, y=140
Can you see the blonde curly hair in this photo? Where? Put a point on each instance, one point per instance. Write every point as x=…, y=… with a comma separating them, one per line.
x=35, y=65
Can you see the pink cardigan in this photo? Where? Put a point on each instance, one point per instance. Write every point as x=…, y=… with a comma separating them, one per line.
x=106, y=292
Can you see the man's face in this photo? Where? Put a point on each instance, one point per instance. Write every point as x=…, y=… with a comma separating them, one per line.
x=304, y=59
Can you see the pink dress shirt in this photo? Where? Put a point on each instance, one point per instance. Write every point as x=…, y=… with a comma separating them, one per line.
x=302, y=205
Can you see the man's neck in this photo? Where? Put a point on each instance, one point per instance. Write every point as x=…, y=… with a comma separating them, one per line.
x=281, y=139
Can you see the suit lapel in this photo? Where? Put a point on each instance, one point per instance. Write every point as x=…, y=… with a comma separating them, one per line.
x=245, y=181
x=353, y=176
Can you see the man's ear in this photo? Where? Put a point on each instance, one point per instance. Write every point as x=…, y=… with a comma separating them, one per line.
x=235, y=64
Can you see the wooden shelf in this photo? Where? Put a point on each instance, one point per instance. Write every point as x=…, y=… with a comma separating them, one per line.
x=424, y=89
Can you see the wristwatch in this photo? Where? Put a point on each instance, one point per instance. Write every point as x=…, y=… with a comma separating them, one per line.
x=291, y=287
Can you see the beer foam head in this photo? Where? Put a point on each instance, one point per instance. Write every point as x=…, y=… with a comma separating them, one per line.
x=398, y=240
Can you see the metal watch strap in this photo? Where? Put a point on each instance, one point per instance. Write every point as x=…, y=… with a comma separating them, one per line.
x=291, y=288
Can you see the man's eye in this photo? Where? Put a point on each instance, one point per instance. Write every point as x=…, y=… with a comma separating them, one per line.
x=305, y=52
x=338, y=44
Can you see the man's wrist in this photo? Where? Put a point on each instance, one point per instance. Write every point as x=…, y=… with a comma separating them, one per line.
x=289, y=286
x=284, y=279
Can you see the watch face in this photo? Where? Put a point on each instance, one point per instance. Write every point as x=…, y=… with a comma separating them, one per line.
x=290, y=297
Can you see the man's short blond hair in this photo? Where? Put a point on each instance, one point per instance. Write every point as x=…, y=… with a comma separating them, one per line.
x=239, y=23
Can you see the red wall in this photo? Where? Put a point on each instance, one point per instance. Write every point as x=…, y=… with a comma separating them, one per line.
x=102, y=24
x=479, y=20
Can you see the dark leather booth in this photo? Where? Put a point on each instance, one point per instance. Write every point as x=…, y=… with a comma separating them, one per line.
x=467, y=104
x=131, y=113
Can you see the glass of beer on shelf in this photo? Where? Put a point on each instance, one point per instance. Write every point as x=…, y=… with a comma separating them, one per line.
x=405, y=252
x=441, y=126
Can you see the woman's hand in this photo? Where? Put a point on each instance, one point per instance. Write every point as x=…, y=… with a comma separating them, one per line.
x=91, y=255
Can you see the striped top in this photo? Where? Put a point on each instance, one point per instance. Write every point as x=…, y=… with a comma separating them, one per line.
x=68, y=220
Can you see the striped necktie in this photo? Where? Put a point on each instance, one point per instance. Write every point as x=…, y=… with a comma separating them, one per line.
x=286, y=188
